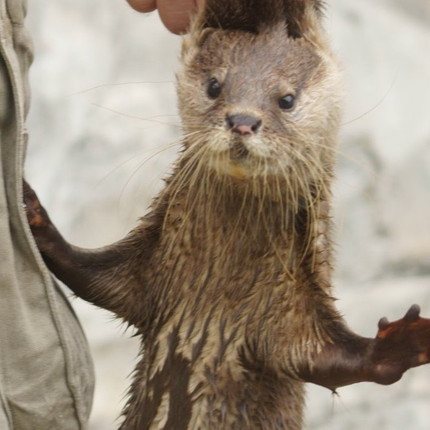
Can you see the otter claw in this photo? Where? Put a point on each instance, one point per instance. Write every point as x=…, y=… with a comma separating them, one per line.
x=383, y=323
x=413, y=313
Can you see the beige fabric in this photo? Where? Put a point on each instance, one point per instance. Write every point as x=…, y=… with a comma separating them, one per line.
x=46, y=374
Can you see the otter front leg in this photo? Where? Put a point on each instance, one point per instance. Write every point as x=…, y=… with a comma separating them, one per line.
x=98, y=276
x=397, y=347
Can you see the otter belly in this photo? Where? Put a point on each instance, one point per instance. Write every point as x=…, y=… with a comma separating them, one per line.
x=199, y=375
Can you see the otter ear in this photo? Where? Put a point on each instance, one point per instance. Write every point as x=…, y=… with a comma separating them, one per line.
x=252, y=15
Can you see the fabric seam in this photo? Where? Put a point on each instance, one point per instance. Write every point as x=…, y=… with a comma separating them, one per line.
x=46, y=277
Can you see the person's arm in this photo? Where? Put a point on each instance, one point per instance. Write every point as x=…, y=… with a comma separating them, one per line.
x=175, y=14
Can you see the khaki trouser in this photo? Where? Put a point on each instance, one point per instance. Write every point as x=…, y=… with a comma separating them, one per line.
x=46, y=374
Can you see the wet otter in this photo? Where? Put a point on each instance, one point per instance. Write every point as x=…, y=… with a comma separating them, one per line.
x=228, y=277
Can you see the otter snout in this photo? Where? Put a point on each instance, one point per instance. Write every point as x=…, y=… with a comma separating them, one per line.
x=243, y=125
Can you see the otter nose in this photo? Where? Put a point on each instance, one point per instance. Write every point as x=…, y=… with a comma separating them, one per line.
x=243, y=124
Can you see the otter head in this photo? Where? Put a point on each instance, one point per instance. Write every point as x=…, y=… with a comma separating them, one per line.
x=259, y=91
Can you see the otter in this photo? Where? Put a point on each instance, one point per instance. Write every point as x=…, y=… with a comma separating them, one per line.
x=227, y=279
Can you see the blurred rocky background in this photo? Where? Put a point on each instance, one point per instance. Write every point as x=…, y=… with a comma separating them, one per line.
x=104, y=131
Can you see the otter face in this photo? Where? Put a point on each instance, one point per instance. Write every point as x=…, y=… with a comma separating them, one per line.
x=259, y=105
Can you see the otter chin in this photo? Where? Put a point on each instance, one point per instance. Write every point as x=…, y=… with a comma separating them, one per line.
x=245, y=167
x=237, y=170
x=243, y=157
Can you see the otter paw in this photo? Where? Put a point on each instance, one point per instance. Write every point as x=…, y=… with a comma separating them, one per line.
x=400, y=345
x=36, y=214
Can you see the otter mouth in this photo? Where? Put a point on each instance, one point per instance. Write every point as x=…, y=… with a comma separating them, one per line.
x=238, y=151
x=238, y=155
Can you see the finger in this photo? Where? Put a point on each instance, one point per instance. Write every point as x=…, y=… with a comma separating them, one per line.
x=143, y=5
x=383, y=324
x=413, y=313
x=175, y=14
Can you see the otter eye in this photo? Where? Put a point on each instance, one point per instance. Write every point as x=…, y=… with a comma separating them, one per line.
x=214, y=89
x=287, y=102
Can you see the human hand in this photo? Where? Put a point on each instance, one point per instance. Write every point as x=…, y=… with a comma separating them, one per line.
x=175, y=14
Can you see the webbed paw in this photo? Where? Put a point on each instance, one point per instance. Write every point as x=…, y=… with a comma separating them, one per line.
x=400, y=345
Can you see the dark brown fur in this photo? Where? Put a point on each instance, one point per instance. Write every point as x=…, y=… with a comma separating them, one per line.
x=228, y=278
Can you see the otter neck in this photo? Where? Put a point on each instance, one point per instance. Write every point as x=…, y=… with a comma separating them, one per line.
x=211, y=216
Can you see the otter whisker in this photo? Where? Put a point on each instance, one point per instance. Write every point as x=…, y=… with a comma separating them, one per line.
x=181, y=180
x=136, y=117
x=159, y=150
